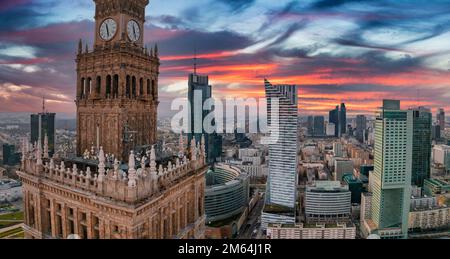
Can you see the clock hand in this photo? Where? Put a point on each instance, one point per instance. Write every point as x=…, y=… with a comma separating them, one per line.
x=134, y=32
x=107, y=30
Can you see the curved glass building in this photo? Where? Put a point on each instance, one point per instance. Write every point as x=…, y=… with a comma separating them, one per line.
x=226, y=194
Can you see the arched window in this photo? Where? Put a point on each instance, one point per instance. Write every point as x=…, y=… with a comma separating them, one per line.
x=141, y=87
x=133, y=87
x=83, y=88
x=88, y=86
x=148, y=87
x=154, y=93
x=128, y=93
x=98, y=86
x=116, y=86
x=108, y=86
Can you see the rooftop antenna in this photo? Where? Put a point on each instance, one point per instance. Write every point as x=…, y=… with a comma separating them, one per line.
x=195, y=61
x=43, y=104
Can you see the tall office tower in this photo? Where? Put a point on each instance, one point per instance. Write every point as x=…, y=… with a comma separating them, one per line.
x=43, y=128
x=334, y=118
x=310, y=125
x=361, y=126
x=281, y=194
x=421, y=156
x=343, y=120
x=96, y=197
x=199, y=91
x=436, y=132
x=392, y=173
x=440, y=118
x=319, y=126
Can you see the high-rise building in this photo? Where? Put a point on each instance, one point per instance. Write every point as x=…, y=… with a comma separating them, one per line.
x=330, y=129
x=361, y=126
x=392, y=173
x=440, y=118
x=343, y=119
x=342, y=167
x=281, y=193
x=436, y=132
x=99, y=198
x=310, y=125
x=421, y=156
x=334, y=118
x=319, y=126
x=199, y=91
x=10, y=156
x=43, y=129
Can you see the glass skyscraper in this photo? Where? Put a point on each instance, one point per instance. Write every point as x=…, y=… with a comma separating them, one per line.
x=343, y=120
x=334, y=118
x=281, y=194
x=199, y=88
x=421, y=156
x=392, y=173
x=43, y=124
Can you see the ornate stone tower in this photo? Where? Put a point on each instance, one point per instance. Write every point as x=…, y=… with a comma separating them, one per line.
x=117, y=83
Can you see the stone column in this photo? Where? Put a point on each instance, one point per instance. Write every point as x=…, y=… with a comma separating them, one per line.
x=64, y=220
x=53, y=218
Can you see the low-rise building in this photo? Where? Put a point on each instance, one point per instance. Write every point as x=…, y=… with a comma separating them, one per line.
x=327, y=201
x=312, y=231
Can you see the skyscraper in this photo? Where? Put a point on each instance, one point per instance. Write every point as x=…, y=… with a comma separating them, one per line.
x=42, y=127
x=334, y=118
x=392, y=172
x=440, y=118
x=361, y=126
x=319, y=126
x=310, y=125
x=343, y=120
x=421, y=156
x=198, y=92
x=282, y=181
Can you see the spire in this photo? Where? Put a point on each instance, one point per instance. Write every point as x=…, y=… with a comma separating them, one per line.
x=43, y=104
x=80, y=46
x=181, y=146
x=156, y=50
x=101, y=164
x=195, y=61
x=153, y=160
x=132, y=171
x=143, y=160
x=46, y=155
x=193, y=150
x=87, y=48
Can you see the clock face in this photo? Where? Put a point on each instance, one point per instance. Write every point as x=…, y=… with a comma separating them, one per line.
x=108, y=29
x=134, y=32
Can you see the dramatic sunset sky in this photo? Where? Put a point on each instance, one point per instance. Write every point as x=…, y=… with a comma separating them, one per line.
x=353, y=51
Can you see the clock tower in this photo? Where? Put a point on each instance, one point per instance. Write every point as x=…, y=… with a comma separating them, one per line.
x=117, y=82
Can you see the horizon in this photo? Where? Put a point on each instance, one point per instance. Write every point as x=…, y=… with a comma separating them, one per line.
x=357, y=52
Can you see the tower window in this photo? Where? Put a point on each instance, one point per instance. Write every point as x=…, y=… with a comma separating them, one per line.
x=148, y=87
x=83, y=88
x=99, y=85
x=128, y=93
x=88, y=86
x=108, y=86
x=141, y=87
x=116, y=86
x=133, y=87
x=153, y=89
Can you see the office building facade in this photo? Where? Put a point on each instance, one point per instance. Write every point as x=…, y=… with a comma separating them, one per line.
x=43, y=126
x=392, y=170
x=281, y=194
x=421, y=151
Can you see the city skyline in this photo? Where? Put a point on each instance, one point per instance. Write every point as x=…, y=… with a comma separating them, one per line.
x=345, y=51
